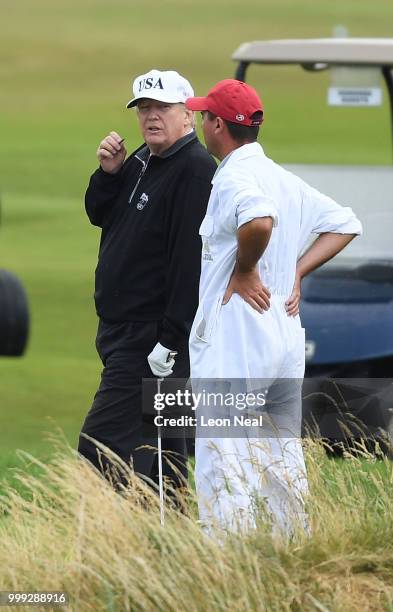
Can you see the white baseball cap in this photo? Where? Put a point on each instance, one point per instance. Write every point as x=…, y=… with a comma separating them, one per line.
x=164, y=86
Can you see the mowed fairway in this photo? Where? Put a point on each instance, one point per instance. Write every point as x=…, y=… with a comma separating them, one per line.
x=65, y=78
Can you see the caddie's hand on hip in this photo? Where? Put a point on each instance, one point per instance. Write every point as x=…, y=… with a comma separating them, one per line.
x=293, y=302
x=249, y=286
x=161, y=360
x=111, y=153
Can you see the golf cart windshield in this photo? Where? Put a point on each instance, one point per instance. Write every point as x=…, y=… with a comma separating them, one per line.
x=368, y=190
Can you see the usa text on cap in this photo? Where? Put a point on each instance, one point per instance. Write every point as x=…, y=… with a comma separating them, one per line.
x=164, y=86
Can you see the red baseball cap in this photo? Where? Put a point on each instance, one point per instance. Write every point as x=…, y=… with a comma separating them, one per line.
x=232, y=100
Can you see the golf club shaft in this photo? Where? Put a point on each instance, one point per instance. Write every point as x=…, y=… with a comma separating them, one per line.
x=160, y=477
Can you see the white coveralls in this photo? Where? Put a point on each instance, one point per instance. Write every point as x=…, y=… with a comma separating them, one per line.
x=234, y=342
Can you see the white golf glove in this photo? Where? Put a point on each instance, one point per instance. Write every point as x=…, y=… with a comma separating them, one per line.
x=161, y=360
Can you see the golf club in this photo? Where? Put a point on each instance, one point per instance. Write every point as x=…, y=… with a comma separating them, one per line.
x=159, y=449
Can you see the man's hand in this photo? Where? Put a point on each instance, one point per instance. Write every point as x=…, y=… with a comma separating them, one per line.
x=161, y=361
x=325, y=247
x=111, y=153
x=249, y=286
x=252, y=240
x=293, y=302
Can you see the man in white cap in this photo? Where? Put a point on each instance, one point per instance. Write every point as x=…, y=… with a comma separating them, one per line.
x=247, y=338
x=149, y=206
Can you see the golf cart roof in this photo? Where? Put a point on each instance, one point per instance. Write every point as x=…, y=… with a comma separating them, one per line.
x=331, y=51
x=319, y=53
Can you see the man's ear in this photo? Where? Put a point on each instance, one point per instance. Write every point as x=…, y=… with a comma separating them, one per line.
x=190, y=118
x=219, y=124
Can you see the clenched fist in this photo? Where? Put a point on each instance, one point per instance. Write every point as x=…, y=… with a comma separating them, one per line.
x=111, y=153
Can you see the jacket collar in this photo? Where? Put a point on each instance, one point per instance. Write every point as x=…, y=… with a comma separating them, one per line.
x=179, y=144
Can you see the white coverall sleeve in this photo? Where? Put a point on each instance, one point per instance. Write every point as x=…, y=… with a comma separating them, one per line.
x=251, y=204
x=322, y=214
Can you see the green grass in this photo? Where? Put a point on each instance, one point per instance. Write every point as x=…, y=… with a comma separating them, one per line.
x=66, y=73
x=53, y=384
x=71, y=532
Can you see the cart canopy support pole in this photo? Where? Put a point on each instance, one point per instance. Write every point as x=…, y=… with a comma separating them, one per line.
x=387, y=72
x=241, y=71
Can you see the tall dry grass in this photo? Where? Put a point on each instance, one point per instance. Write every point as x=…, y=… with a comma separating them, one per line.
x=68, y=530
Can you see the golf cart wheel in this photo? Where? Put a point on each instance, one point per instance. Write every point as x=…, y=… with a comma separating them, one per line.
x=14, y=316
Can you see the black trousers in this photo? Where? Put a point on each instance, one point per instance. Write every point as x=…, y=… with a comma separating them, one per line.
x=115, y=418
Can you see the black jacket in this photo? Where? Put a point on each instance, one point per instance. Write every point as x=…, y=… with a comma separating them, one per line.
x=149, y=258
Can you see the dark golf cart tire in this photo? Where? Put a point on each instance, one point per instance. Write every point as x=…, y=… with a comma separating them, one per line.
x=14, y=316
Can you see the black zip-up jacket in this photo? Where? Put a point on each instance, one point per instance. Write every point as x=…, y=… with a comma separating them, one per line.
x=150, y=250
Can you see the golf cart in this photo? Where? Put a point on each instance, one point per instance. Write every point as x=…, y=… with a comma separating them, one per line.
x=347, y=305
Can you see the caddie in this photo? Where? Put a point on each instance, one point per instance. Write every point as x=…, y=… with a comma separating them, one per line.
x=247, y=327
x=149, y=207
